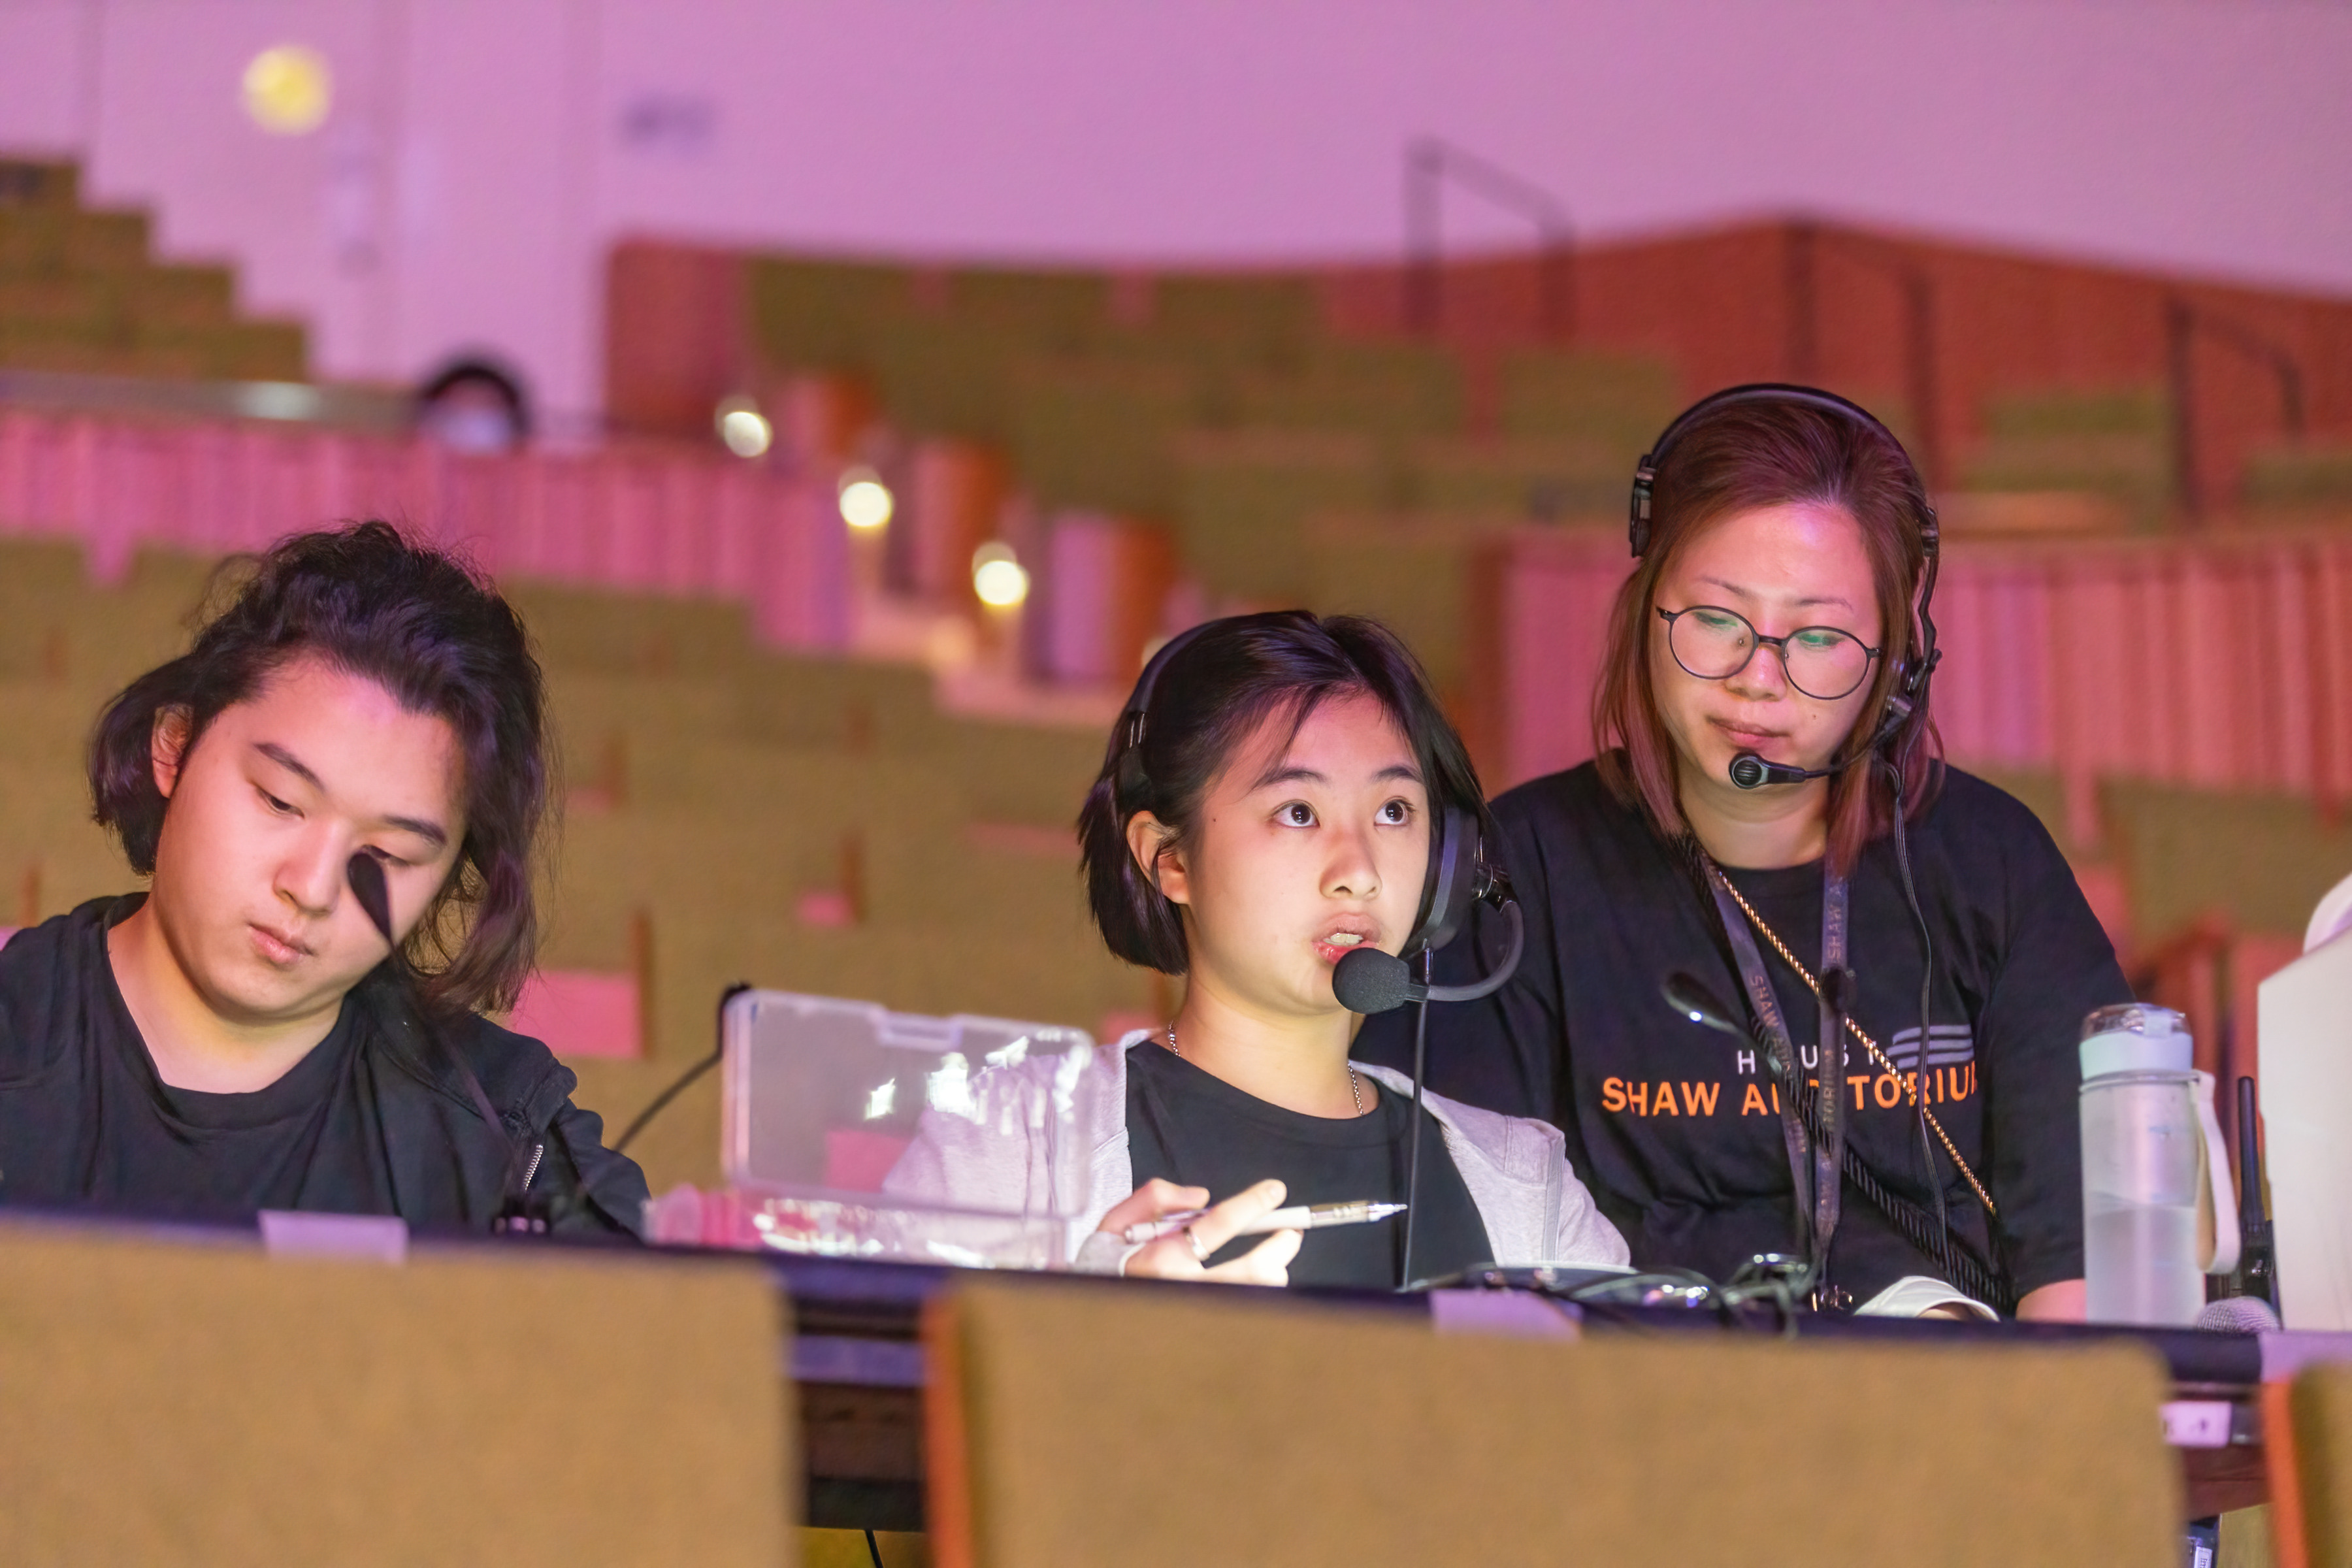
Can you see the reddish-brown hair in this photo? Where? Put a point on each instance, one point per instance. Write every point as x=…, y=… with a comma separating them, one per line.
x=1736, y=459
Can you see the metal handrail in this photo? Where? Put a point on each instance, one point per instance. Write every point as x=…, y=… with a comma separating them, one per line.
x=1920, y=335
x=2182, y=322
x=1429, y=161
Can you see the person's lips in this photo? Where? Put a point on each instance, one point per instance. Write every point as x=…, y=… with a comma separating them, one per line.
x=1754, y=738
x=278, y=947
x=1343, y=936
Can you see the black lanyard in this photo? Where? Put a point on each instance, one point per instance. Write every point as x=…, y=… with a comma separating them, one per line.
x=1813, y=1161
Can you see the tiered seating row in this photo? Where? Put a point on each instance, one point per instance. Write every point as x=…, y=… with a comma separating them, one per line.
x=2220, y=663
x=80, y=293
x=802, y=820
x=639, y=519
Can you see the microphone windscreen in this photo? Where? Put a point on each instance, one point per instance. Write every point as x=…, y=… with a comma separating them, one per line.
x=2239, y=1315
x=1748, y=771
x=1370, y=981
x=1688, y=994
x=366, y=875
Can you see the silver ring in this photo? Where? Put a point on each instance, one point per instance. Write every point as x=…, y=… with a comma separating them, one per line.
x=1199, y=1253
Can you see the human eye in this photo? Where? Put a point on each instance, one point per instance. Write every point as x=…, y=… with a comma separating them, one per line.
x=275, y=807
x=1819, y=639
x=1720, y=623
x=385, y=858
x=1294, y=814
x=1395, y=813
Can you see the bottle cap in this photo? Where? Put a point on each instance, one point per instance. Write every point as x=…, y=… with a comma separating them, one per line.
x=2136, y=1037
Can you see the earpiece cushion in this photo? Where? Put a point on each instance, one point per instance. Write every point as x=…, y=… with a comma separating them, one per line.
x=1452, y=886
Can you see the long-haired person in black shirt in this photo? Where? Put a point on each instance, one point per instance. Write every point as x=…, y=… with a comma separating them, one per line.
x=1773, y=617
x=236, y=1037
x=1265, y=808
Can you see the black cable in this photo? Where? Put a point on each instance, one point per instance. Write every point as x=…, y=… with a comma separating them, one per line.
x=874, y=1549
x=718, y=1053
x=364, y=875
x=1926, y=984
x=661, y=1101
x=1412, y=1160
x=1965, y=1268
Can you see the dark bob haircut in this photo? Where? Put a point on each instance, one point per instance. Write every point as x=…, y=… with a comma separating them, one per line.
x=442, y=642
x=1213, y=694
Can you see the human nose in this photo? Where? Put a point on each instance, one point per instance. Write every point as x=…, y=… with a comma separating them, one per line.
x=310, y=877
x=1766, y=674
x=1353, y=872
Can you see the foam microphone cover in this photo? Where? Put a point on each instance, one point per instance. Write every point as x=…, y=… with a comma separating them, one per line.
x=366, y=875
x=1370, y=981
x=2239, y=1315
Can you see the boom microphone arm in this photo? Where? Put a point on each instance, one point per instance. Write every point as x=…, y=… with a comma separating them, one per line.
x=1370, y=981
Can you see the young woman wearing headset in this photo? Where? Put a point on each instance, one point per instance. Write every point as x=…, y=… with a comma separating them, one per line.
x=1281, y=791
x=1761, y=710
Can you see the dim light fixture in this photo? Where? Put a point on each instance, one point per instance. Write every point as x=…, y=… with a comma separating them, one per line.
x=744, y=428
x=997, y=575
x=289, y=89
x=866, y=502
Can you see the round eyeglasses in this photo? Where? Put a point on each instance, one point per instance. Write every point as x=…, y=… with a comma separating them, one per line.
x=1715, y=643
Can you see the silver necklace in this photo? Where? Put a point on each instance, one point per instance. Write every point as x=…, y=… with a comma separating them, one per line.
x=1354, y=1092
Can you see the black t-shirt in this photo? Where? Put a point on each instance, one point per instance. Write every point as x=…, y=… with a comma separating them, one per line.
x=1673, y=1127
x=362, y=1124
x=93, y=1125
x=1194, y=1129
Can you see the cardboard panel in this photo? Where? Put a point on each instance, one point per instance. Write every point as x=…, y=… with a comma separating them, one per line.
x=173, y=1402
x=2306, y=1093
x=1075, y=1426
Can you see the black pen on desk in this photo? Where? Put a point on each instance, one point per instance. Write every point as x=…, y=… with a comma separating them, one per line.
x=1299, y=1216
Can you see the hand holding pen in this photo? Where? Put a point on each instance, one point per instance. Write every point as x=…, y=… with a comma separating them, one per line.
x=1183, y=1253
x=1298, y=1217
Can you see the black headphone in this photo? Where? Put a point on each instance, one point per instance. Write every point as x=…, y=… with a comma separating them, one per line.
x=1459, y=876
x=1906, y=705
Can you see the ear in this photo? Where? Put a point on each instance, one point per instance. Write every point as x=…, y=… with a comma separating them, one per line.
x=167, y=746
x=1147, y=840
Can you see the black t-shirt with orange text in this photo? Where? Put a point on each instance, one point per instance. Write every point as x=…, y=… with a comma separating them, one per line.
x=1674, y=1127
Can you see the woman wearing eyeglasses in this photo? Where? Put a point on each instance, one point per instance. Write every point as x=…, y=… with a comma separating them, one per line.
x=1761, y=709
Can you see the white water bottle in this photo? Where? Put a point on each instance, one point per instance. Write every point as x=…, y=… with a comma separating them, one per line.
x=2157, y=1216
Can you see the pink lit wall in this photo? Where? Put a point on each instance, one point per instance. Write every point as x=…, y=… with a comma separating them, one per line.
x=480, y=158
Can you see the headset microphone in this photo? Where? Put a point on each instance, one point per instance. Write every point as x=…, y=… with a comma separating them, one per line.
x=1459, y=879
x=1750, y=770
x=1370, y=981
x=518, y=1212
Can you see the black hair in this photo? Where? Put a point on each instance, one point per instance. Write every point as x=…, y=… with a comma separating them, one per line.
x=1209, y=695
x=435, y=635
x=476, y=375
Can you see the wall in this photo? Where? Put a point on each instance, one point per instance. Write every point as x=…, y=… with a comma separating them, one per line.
x=483, y=157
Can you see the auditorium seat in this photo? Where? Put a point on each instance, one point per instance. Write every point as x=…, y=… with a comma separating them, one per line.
x=820, y=315
x=1244, y=495
x=1620, y=400
x=1274, y=314
x=1052, y=311
x=203, y=1404
x=1534, y=478
x=80, y=293
x=1076, y=1426
x=2117, y=444
x=2303, y=478
x=1382, y=389
x=1412, y=570
x=1089, y=435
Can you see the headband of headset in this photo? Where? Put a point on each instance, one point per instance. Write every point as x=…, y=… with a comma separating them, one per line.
x=1646, y=477
x=1910, y=699
x=1459, y=873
